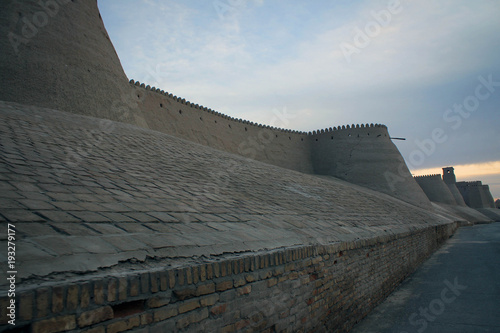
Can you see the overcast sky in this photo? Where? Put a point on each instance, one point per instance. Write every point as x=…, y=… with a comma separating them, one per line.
x=429, y=70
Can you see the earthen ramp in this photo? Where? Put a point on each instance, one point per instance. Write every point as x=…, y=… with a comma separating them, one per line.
x=110, y=209
x=76, y=182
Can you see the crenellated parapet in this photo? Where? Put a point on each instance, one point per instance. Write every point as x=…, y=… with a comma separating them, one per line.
x=436, y=175
x=202, y=108
x=470, y=183
x=187, y=103
x=346, y=128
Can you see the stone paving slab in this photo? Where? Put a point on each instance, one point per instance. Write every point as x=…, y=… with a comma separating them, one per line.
x=83, y=197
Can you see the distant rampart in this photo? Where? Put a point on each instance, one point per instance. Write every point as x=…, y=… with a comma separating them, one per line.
x=476, y=195
x=435, y=189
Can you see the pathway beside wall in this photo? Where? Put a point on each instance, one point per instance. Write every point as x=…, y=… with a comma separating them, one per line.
x=456, y=290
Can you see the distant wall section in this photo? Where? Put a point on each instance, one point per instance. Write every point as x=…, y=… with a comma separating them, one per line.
x=456, y=194
x=476, y=195
x=435, y=189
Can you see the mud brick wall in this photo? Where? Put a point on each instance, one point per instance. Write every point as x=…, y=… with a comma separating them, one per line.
x=340, y=151
x=324, y=288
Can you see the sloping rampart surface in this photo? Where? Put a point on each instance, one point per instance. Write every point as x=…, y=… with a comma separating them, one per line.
x=121, y=227
x=87, y=193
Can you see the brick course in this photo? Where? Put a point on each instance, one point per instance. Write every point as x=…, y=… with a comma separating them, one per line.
x=330, y=287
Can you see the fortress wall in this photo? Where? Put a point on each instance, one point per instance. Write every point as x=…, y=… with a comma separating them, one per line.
x=486, y=197
x=320, y=287
x=343, y=152
x=173, y=115
x=456, y=194
x=435, y=189
x=476, y=195
x=365, y=155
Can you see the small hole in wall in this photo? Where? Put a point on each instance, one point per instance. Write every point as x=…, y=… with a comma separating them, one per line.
x=289, y=138
x=332, y=137
x=301, y=139
x=161, y=105
x=335, y=262
x=138, y=96
x=229, y=125
x=128, y=308
x=316, y=139
x=180, y=111
x=276, y=135
x=246, y=129
x=215, y=121
x=341, y=254
x=349, y=134
x=201, y=118
x=368, y=133
x=20, y=329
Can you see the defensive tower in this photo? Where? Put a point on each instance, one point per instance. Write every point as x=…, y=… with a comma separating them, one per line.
x=57, y=54
x=449, y=175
